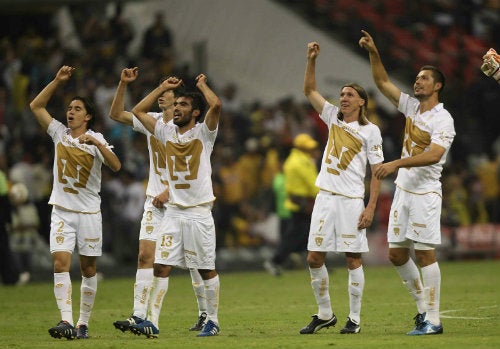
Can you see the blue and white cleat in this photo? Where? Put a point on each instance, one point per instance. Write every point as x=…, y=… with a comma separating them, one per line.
x=425, y=328
x=210, y=329
x=145, y=328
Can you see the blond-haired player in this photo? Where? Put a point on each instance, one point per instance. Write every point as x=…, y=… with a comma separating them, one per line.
x=76, y=205
x=340, y=218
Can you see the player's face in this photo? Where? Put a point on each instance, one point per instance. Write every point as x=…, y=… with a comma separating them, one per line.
x=183, y=111
x=166, y=100
x=424, y=85
x=350, y=101
x=76, y=114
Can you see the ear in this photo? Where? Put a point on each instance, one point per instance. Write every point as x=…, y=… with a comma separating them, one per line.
x=438, y=86
x=196, y=113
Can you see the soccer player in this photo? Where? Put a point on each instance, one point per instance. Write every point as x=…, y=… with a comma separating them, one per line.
x=186, y=236
x=340, y=218
x=76, y=212
x=491, y=64
x=416, y=207
x=154, y=206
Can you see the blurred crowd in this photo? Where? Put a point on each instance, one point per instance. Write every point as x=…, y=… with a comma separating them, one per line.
x=253, y=137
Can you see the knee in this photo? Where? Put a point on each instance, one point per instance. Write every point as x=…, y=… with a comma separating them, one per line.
x=315, y=259
x=145, y=259
x=161, y=270
x=398, y=256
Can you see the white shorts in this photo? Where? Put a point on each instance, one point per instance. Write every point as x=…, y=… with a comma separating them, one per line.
x=415, y=217
x=187, y=238
x=69, y=229
x=151, y=219
x=334, y=225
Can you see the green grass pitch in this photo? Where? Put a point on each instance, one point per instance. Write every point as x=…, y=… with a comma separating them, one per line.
x=261, y=311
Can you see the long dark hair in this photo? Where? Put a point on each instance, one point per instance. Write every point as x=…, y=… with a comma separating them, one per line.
x=89, y=108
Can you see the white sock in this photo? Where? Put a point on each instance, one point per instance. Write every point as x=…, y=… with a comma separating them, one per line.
x=411, y=279
x=355, y=289
x=158, y=292
x=199, y=290
x=320, y=285
x=431, y=276
x=87, y=299
x=62, y=292
x=142, y=287
x=212, y=287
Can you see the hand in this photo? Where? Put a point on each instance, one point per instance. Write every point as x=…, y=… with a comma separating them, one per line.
x=171, y=83
x=385, y=170
x=160, y=200
x=129, y=74
x=367, y=42
x=87, y=139
x=365, y=219
x=64, y=73
x=201, y=79
x=492, y=53
x=312, y=50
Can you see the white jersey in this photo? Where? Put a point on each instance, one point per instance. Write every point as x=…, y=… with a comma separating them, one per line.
x=433, y=126
x=349, y=147
x=77, y=170
x=189, y=169
x=157, y=180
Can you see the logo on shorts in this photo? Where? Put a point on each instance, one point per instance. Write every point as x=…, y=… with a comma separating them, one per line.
x=318, y=240
x=165, y=254
x=396, y=231
x=149, y=229
x=60, y=239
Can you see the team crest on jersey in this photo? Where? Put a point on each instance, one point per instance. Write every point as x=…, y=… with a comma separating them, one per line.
x=60, y=240
x=318, y=240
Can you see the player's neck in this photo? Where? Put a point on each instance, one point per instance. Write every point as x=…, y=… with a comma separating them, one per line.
x=427, y=104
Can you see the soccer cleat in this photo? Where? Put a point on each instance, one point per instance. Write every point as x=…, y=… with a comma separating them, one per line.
x=350, y=327
x=419, y=320
x=63, y=329
x=82, y=332
x=124, y=325
x=317, y=324
x=198, y=326
x=146, y=328
x=210, y=329
x=426, y=328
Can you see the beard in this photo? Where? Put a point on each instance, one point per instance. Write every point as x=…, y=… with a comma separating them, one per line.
x=181, y=122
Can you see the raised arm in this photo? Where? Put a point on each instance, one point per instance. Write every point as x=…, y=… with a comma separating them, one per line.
x=117, y=111
x=142, y=108
x=380, y=77
x=315, y=98
x=39, y=103
x=214, y=103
